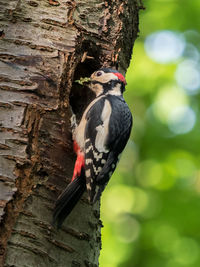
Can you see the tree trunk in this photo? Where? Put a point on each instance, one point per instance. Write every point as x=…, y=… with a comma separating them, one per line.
x=44, y=46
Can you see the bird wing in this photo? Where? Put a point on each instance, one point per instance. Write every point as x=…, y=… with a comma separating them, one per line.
x=107, y=131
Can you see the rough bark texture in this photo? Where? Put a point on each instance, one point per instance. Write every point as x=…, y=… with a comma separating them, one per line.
x=44, y=46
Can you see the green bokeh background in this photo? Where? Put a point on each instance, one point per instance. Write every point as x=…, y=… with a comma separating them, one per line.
x=151, y=207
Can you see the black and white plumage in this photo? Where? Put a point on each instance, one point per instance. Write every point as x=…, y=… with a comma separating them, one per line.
x=106, y=138
x=101, y=136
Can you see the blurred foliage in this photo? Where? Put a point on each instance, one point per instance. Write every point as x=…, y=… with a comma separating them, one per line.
x=151, y=207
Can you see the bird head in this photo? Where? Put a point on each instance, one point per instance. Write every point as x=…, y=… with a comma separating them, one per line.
x=107, y=81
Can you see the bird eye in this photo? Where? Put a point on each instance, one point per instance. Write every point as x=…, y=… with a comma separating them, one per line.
x=99, y=73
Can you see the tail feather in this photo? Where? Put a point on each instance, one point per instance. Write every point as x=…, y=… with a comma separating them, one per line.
x=68, y=199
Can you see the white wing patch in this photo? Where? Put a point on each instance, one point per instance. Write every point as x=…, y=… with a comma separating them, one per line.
x=97, y=170
x=103, y=161
x=97, y=156
x=88, y=161
x=79, y=132
x=88, y=149
x=102, y=130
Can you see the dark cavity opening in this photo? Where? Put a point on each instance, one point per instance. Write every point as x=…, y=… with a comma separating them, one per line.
x=81, y=95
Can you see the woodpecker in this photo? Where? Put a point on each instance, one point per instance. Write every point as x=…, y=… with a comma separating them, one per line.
x=99, y=140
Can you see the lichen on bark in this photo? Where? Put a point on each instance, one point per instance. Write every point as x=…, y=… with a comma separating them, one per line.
x=45, y=46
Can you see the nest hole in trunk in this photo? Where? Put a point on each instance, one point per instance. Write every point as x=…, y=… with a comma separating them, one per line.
x=81, y=95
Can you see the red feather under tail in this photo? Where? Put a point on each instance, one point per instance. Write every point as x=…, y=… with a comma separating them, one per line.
x=80, y=161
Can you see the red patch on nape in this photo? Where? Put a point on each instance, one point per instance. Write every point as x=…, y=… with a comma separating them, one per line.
x=120, y=77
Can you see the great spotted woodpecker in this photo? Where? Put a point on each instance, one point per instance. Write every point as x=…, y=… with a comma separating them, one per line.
x=99, y=139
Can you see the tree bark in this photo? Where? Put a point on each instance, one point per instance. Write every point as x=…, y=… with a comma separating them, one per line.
x=44, y=46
